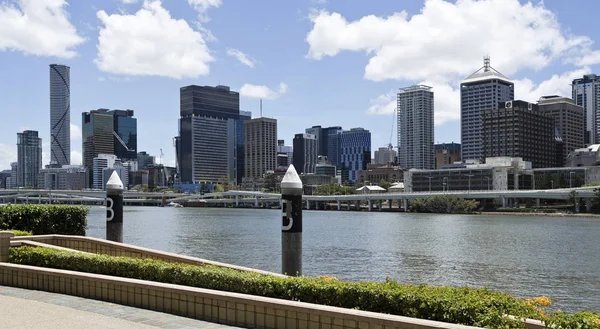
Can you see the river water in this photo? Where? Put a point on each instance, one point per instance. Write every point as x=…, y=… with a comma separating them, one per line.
x=525, y=256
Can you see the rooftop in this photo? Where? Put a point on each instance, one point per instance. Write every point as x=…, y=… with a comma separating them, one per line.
x=415, y=88
x=486, y=72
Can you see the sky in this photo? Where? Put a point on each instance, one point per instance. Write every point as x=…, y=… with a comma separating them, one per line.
x=313, y=62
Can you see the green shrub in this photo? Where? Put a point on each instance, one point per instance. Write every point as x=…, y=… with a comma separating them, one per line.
x=479, y=307
x=21, y=233
x=44, y=219
x=443, y=204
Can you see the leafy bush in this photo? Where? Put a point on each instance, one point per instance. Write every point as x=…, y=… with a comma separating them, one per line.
x=44, y=219
x=443, y=204
x=479, y=307
x=21, y=233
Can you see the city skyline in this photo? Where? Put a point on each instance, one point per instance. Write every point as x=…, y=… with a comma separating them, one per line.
x=298, y=85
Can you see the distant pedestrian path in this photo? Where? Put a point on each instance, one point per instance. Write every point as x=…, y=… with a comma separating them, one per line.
x=22, y=308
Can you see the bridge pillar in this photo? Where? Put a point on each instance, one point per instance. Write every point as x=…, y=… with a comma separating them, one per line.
x=237, y=201
x=339, y=204
x=380, y=204
x=40, y=199
x=537, y=202
x=405, y=205
x=503, y=202
x=348, y=204
x=357, y=204
x=577, y=207
x=307, y=205
x=588, y=205
x=370, y=203
x=390, y=203
x=255, y=202
x=26, y=199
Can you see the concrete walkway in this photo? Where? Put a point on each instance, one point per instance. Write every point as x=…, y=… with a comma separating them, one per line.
x=22, y=308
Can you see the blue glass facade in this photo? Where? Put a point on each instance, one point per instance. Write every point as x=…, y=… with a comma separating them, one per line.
x=125, y=125
x=241, y=160
x=355, y=151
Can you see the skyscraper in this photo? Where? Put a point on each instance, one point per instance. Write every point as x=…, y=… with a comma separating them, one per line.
x=322, y=136
x=586, y=93
x=97, y=137
x=568, y=120
x=244, y=115
x=355, y=152
x=385, y=155
x=260, y=143
x=207, y=130
x=29, y=158
x=304, y=157
x=415, y=127
x=482, y=90
x=60, y=115
x=125, y=137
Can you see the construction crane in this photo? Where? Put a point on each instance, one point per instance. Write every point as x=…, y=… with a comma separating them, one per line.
x=390, y=146
x=161, y=157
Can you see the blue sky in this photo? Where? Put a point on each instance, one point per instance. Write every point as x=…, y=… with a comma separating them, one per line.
x=314, y=62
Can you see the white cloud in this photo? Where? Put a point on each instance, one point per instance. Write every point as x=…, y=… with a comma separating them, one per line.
x=264, y=92
x=591, y=58
x=447, y=40
x=243, y=58
x=383, y=104
x=202, y=6
x=75, y=133
x=129, y=1
x=38, y=27
x=151, y=42
x=560, y=85
x=8, y=154
x=76, y=158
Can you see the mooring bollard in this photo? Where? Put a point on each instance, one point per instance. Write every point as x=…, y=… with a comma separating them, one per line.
x=114, y=208
x=291, y=228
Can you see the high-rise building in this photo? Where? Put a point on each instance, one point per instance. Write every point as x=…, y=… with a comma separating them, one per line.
x=60, y=115
x=322, y=136
x=446, y=153
x=415, y=127
x=519, y=129
x=586, y=93
x=97, y=137
x=145, y=160
x=260, y=143
x=385, y=155
x=285, y=154
x=125, y=134
x=305, y=153
x=482, y=90
x=13, y=174
x=568, y=120
x=101, y=162
x=355, y=152
x=207, y=128
x=5, y=179
x=333, y=147
x=29, y=159
x=65, y=178
x=244, y=116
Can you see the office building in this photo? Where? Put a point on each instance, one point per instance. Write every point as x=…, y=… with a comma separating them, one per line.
x=145, y=160
x=207, y=130
x=125, y=134
x=60, y=115
x=100, y=163
x=66, y=177
x=5, y=179
x=565, y=177
x=584, y=157
x=586, y=93
x=355, y=152
x=13, y=175
x=97, y=138
x=376, y=173
x=568, y=120
x=385, y=155
x=519, y=129
x=482, y=90
x=322, y=136
x=415, y=127
x=240, y=152
x=260, y=143
x=285, y=153
x=305, y=153
x=29, y=159
x=333, y=147
x=446, y=154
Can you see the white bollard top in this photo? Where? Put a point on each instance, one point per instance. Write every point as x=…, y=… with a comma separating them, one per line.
x=114, y=183
x=291, y=181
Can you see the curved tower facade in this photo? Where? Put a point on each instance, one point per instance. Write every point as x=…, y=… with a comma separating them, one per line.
x=60, y=115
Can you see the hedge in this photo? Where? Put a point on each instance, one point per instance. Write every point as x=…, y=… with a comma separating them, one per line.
x=44, y=219
x=478, y=307
x=21, y=233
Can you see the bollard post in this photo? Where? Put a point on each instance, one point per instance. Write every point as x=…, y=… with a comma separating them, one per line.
x=5, y=237
x=114, y=208
x=291, y=228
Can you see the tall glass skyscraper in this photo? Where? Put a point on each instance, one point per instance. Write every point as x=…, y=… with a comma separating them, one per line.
x=29, y=159
x=60, y=115
x=355, y=152
x=482, y=90
x=586, y=93
x=415, y=127
x=241, y=157
x=125, y=127
x=207, y=130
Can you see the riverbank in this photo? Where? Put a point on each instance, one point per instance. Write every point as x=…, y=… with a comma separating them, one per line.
x=538, y=214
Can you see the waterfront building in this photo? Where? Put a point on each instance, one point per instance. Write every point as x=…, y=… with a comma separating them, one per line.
x=568, y=120
x=101, y=162
x=322, y=136
x=375, y=173
x=285, y=153
x=260, y=142
x=66, y=177
x=333, y=147
x=565, y=177
x=415, y=127
x=586, y=93
x=240, y=152
x=145, y=160
x=13, y=175
x=207, y=130
x=584, y=157
x=447, y=154
x=60, y=115
x=125, y=134
x=501, y=173
x=29, y=159
x=97, y=138
x=385, y=155
x=355, y=152
x=5, y=179
x=482, y=90
x=305, y=153
x=519, y=129
x=324, y=167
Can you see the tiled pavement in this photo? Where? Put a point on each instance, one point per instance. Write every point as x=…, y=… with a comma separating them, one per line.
x=23, y=308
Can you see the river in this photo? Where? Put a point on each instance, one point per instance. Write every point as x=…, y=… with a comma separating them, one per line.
x=525, y=256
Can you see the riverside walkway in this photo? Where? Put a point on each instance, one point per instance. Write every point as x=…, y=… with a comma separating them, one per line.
x=23, y=308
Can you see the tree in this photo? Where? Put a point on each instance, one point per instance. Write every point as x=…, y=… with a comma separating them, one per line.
x=384, y=184
x=224, y=182
x=270, y=183
x=219, y=188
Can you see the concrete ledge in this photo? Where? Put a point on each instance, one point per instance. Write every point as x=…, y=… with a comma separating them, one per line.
x=100, y=246
x=40, y=244
x=210, y=305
